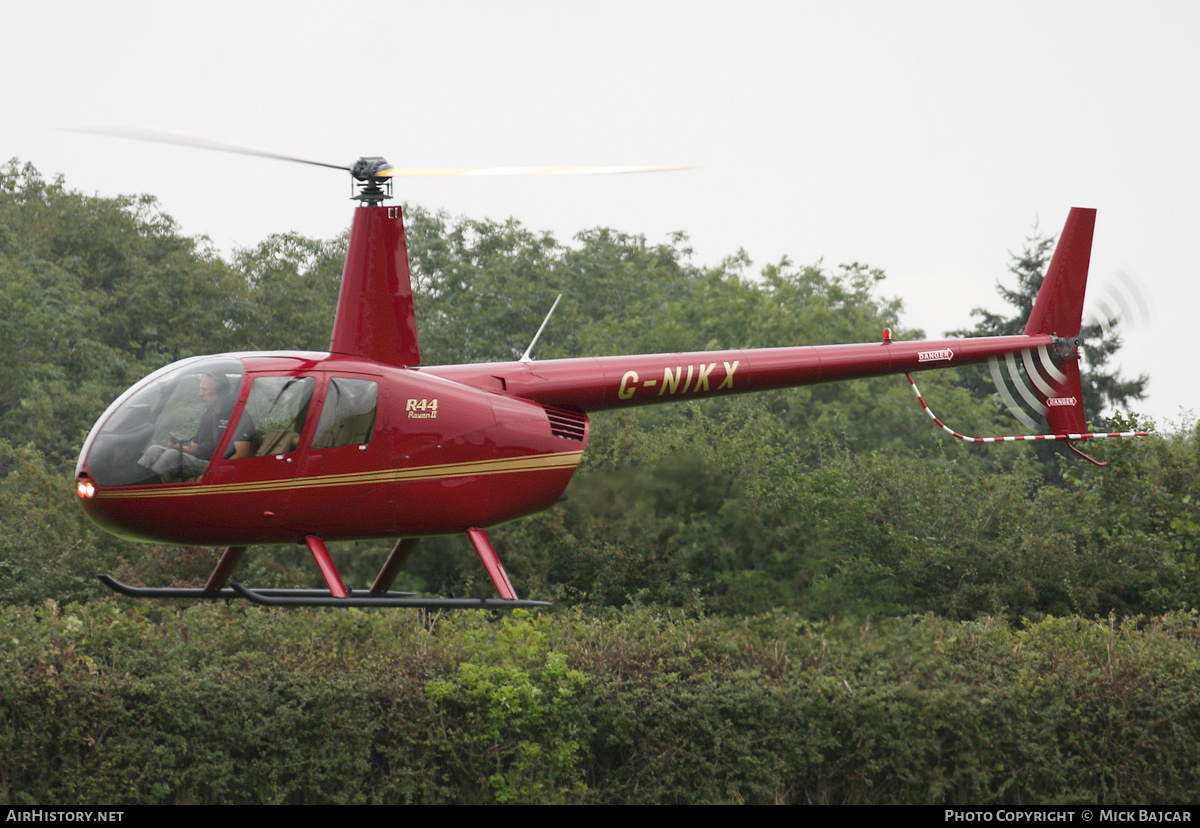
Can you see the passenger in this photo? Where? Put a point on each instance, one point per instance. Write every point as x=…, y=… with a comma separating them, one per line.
x=187, y=459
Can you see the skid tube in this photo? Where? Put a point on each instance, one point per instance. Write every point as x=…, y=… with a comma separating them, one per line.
x=378, y=596
x=359, y=598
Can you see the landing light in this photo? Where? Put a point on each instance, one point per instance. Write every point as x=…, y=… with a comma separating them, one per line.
x=85, y=489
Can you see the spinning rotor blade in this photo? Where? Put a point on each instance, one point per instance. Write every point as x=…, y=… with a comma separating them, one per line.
x=1039, y=369
x=1123, y=297
x=160, y=137
x=420, y=172
x=1009, y=401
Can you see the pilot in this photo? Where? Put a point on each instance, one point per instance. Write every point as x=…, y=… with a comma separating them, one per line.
x=187, y=459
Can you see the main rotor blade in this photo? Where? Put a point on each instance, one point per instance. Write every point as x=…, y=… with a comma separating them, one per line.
x=421, y=172
x=160, y=137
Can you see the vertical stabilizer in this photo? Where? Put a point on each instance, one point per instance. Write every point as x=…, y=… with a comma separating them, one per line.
x=375, y=317
x=1059, y=306
x=1058, y=311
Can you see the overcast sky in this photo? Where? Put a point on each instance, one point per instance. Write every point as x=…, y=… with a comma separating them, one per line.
x=922, y=138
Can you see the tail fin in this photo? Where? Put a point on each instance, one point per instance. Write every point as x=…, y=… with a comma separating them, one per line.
x=1059, y=306
x=1058, y=311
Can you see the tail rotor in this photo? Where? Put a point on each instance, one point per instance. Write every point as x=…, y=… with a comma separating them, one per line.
x=1046, y=378
x=1023, y=382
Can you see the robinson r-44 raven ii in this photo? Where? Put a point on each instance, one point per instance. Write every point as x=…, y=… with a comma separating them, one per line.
x=363, y=441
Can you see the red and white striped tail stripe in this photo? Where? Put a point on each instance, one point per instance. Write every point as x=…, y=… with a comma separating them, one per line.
x=1019, y=438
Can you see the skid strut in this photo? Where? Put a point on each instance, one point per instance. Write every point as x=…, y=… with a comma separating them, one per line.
x=325, y=563
x=230, y=558
x=492, y=562
x=395, y=562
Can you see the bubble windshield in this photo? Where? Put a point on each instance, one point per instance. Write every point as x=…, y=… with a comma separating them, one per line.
x=167, y=428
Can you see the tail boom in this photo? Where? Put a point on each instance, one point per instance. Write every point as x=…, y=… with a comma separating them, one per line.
x=600, y=383
x=1048, y=349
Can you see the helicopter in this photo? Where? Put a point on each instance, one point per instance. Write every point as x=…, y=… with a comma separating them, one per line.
x=364, y=441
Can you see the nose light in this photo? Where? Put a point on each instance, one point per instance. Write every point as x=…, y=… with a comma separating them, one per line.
x=85, y=488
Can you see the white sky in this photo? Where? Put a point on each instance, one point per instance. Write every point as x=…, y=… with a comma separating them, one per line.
x=922, y=138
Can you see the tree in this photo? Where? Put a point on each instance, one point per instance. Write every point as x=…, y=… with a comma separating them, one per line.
x=292, y=290
x=98, y=293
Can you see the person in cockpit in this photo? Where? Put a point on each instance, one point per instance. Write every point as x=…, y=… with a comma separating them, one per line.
x=187, y=459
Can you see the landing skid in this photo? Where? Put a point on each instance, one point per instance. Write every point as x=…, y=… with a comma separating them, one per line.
x=379, y=595
x=363, y=598
x=317, y=597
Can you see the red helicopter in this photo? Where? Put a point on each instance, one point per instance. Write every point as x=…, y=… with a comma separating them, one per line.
x=366, y=442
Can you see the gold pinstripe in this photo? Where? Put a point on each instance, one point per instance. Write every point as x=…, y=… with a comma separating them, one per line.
x=505, y=465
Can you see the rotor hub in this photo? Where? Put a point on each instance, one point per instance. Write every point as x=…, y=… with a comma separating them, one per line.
x=1064, y=346
x=373, y=182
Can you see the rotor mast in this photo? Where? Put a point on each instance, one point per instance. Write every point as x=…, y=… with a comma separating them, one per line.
x=375, y=316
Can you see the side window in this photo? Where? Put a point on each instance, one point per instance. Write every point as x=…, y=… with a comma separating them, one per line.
x=273, y=418
x=348, y=417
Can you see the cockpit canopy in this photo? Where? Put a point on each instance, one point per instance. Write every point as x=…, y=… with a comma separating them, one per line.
x=172, y=424
x=168, y=410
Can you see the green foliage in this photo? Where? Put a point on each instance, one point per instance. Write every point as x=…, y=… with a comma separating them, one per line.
x=738, y=515
x=47, y=546
x=520, y=710
x=100, y=292
x=293, y=285
x=111, y=705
